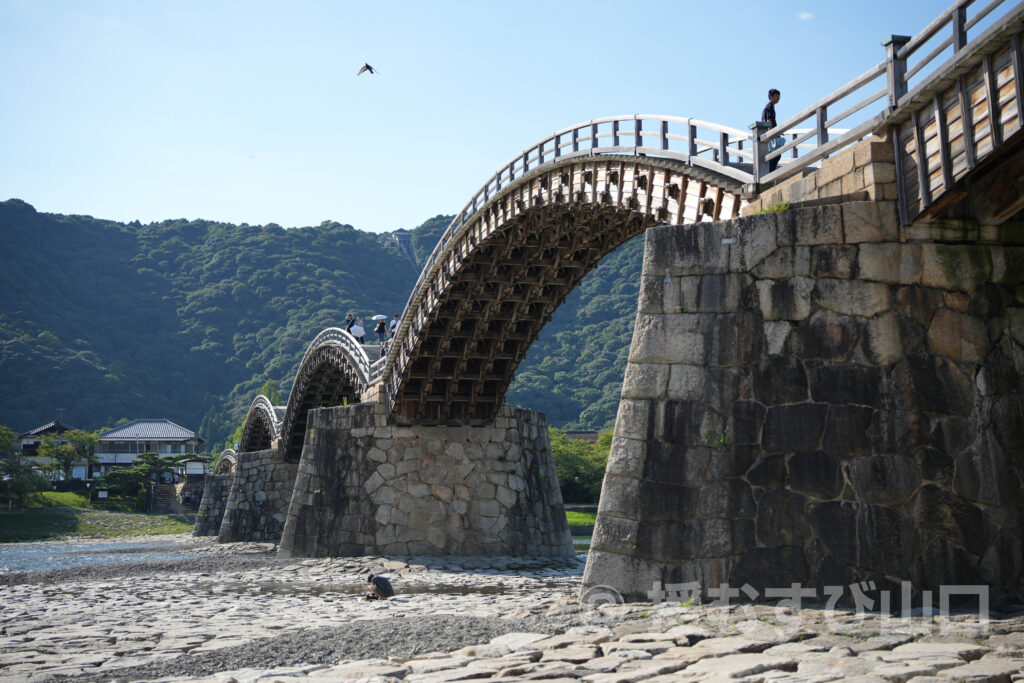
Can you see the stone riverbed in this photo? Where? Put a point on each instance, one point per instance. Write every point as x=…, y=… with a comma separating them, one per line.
x=234, y=612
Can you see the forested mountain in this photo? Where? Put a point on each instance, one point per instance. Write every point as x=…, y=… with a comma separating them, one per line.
x=187, y=319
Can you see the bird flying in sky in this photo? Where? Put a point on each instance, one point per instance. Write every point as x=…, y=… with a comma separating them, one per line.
x=365, y=67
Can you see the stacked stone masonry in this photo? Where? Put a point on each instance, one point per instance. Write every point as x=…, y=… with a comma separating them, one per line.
x=366, y=487
x=211, y=506
x=867, y=171
x=809, y=399
x=258, y=500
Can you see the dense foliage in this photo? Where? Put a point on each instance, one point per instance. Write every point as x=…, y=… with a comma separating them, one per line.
x=580, y=465
x=188, y=319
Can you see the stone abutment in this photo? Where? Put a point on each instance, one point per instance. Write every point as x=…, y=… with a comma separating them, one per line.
x=212, y=504
x=258, y=499
x=809, y=399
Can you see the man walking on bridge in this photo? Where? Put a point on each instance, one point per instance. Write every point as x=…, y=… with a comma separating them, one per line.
x=768, y=116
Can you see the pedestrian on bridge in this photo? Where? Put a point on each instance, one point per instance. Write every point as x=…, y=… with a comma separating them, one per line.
x=393, y=327
x=382, y=331
x=768, y=116
x=357, y=330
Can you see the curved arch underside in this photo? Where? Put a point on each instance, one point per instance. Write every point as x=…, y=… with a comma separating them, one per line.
x=261, y=426
x=515, y=264
x=226, y=462
x=327, y=378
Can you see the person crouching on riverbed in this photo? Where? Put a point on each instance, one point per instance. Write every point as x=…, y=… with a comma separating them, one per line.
x=380, y=587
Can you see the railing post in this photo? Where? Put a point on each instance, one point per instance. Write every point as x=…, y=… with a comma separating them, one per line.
x=895, y=68
x=664, y=134
x=760, y=148
x=959, y=28
x=638, y=133
x=822, y=126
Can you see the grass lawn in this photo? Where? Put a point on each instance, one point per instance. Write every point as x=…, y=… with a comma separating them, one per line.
x=51, y=515
x=580, y=518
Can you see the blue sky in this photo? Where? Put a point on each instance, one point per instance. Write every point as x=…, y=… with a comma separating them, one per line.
x=251, y=112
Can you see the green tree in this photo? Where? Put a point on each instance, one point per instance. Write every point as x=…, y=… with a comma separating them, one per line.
x=18, y=476
x=58, y=456
x=84, y=444
x=580, y=465
x=273, y=394
x=7, y=439
x=71, y=448
x=149, y=466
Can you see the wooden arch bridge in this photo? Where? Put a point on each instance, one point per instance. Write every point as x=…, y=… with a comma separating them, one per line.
x=950, y=100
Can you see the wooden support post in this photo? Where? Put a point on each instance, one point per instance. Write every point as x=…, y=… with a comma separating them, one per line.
x=967, y=121
x=1018, y=76
x=723, y=148
x=895, y=68
x=664, y=134
x=992, y=99
x=638, y=133
x=692, y=138
x=943, y=134
x=615, y=133
x=923, y=187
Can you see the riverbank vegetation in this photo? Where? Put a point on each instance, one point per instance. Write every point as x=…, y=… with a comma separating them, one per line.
x=52, y=515
x=580, y=465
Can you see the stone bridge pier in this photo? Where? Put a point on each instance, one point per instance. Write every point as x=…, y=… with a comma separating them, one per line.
x=811, y=398
x=366, y=487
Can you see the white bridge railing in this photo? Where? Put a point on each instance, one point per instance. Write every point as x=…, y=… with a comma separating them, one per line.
x=263, y=403
x=353, y=349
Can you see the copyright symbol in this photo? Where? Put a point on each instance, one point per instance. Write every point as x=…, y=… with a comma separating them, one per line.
x=594, y=598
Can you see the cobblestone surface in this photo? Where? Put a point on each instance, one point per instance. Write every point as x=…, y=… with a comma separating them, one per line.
x=496, y=619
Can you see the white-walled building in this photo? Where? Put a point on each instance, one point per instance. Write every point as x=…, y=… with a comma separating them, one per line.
x=119, y=447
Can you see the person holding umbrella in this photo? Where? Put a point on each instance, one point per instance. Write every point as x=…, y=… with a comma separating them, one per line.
x=357, y=330
x=381, y=328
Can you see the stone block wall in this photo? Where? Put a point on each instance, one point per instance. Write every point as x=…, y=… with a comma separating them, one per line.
x=365, y=487
x=867, y=170
x=808, y=399
x=257, y=503
x=212, y=504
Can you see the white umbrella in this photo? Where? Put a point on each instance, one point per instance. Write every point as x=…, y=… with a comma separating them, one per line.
x=379, y=317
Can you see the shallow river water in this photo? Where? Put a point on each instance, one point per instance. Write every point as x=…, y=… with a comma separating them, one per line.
x=30, y=557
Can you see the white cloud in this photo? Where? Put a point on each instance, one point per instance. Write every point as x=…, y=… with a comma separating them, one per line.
x=804, y=16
